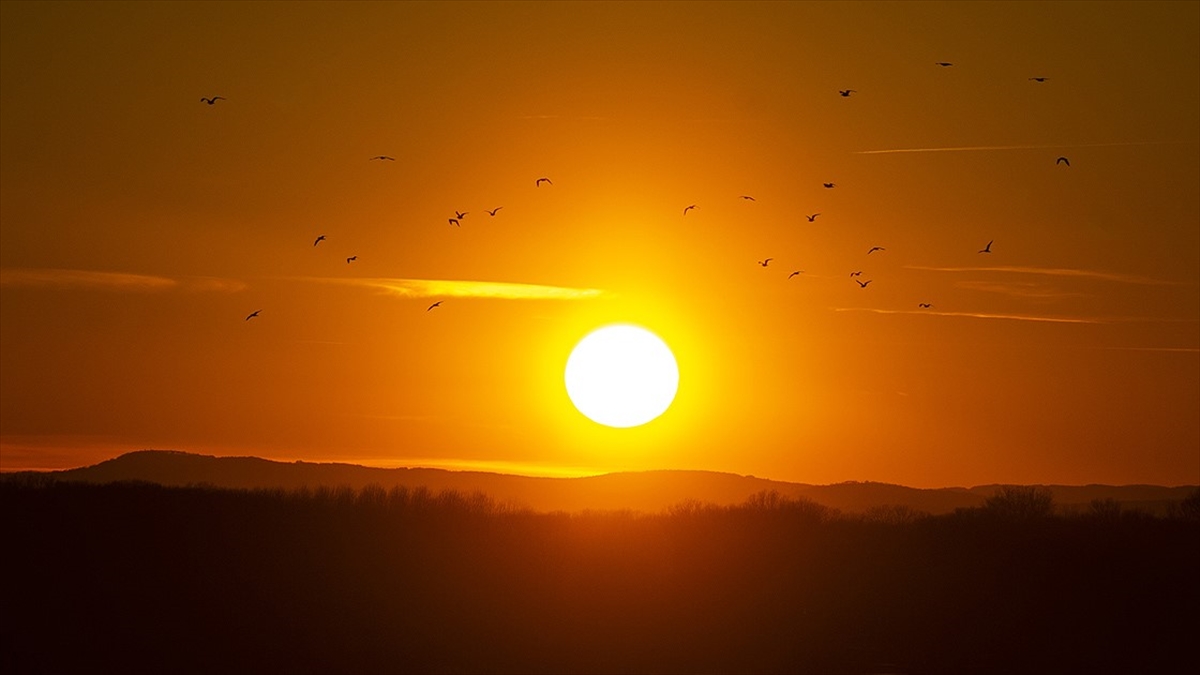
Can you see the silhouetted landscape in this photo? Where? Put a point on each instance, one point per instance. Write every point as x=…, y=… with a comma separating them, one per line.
x=639, y=491
x=138, y=577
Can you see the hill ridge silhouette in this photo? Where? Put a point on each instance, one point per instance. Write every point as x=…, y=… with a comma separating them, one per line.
x=650, y=491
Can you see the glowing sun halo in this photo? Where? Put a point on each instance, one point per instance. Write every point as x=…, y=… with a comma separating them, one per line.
x=622, y=376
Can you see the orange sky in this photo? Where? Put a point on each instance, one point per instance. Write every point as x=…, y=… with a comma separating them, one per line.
x=139, y=227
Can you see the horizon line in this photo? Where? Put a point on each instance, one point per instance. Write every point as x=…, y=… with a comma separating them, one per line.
x=401, y=464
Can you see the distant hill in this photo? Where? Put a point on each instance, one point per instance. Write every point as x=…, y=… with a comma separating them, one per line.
x=649, y=491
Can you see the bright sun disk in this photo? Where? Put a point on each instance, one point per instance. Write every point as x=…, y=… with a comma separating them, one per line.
x=622, y=376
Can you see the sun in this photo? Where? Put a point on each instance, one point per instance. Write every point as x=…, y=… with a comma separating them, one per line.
x=622, y=376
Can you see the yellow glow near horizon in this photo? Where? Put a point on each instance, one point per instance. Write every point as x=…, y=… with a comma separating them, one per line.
x=622, y=376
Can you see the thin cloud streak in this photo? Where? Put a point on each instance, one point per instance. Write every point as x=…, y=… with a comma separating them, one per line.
x=1177, y=350
x=1019, y=289
x=530, y=469
x=461, y=288
x=1056, y=272
x=64, y=279
x=977, y=148
x=972, y=315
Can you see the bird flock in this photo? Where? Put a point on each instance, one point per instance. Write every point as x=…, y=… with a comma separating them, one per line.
x=812, y=217
x=459, y=216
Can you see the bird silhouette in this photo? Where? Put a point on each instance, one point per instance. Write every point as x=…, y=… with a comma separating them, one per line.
x=492, y=212
x=863, y=284
x=988, y=248
x=390, y=159
x=943, y=64
x=460, y=214
x=924, y=305
x=351, y=259
x=829, y=186
x=253, y=314
x=812, y=218
x=538, y=182
x=436, y=304
x=1039, y=79
x=688, y=208
x=748, y=198
x=212, y=100
x=764, y=263
x=319, y=240
x=795, y=273
x=856, y=274
x=846, y=92
x=454, y=222
x=1062, y=160
x=876, y=248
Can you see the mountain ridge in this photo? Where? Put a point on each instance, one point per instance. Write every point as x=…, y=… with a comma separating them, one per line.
x=648, y=491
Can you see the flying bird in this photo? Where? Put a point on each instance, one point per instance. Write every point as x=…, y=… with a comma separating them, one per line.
x=1062, y=160
x=319, y=240
x=829, y=186
x=492, y=212
x=688, y=208
x=748, y=198
x=855, y=274
x=812, y=218
x=460, y=214
x=351, y=259
x=390, y=159
x=538, y=182
x=253, y=314
x=988, y=248
x=795, y=273
x=863, y=284
x=454, y=222
x=943, y=64
x=876, y=248
x=765, y=262
x=1039, y=79
x=846, y=92
x=924, y=305
x=436, y=304
x=212, y=100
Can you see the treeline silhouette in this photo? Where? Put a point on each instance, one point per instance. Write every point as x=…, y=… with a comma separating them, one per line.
x=140, y=578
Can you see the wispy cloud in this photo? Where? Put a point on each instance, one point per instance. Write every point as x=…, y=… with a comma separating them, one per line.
x=973, y=315
x=1019, y=289
x=978, y=148
x=212, y=284
x=1178, y=350
x=460, y=288
x=533, y=469
x=1056, y=272
x=560, y=117
x=64, y=279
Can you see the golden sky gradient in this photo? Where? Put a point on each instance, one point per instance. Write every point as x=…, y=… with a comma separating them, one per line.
x=140, y=226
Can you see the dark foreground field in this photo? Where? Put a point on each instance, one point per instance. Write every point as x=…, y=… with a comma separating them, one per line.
x=134, y=578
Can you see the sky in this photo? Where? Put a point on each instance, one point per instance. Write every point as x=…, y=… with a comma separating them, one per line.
x=140, y=226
